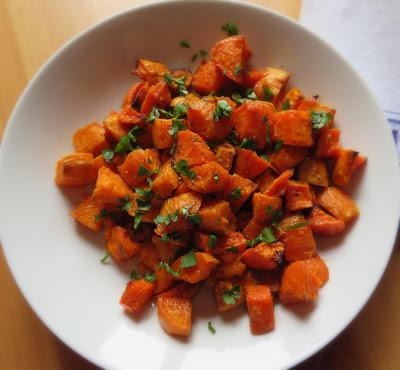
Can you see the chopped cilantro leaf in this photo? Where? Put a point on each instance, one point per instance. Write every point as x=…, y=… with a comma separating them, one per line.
x=153, y=115
x=108, y=155
x=266, y=236
x=144, y=193
x=278, y=145
x=248, y=143
x=105, y=257
x=236, y=193
x=222, y=110
x=188, y=260
x=286, y=105
x=177, y=125
x=167, y=219
x=212, y=241
x=296, y=226
x=183, y=169
x=150, y=278
x=134, y=275
x=216, y=177
x=250, y=94
x=211, y=328
x=143, y=171
x=268, y=94
x=180, y=82
x=233, y=139
x=233, y=249
x=237, y=70
x=231, y=295
x=168, y=268
x=194, y=57
x=184, y=44
x=194, y=219
x=202, y=53
x=230, y=29
x=180, y=110
x=103, y=214
x=320, y=119
x=138, y=219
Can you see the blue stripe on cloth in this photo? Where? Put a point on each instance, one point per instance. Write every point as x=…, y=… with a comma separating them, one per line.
x=394, y=121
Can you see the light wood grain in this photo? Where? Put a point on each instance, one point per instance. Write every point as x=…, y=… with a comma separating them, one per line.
x=30, y=31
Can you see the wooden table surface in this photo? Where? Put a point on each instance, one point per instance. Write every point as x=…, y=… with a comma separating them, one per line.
x=30, y=31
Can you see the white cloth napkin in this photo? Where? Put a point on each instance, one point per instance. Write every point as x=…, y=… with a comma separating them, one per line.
x=367, y=32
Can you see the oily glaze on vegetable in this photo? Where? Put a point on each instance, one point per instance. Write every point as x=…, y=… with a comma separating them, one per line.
x=223, y=176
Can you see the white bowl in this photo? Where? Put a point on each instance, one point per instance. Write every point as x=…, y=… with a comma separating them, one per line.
x=56, y=263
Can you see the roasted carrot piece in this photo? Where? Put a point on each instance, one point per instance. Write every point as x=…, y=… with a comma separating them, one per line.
x=138, y=166
x=158, y=95
x=182, y=189
x=110, y=187
x=217, y=216
x=260, y=307
x=229, y=53
x=159, y=132
x=272, y=278
x=210, y=178
x=131, y=97
x=148, y=257
x=75, y=170
x=297, y=237
x=358, y=162
x=248, y=164
x=208, y=79
x=230, y=270
x=328, y=144
x=253, y=121
x=263, y=256
x=114, y=130
x=294, y=96
x=136, y=295
x=150, y=71
x=182, y=289
x=253, y=229
x=230, y=245
x=224, y=155
x=175, y=315
x=86, y=212
x=342, y=171
x=339, y=204
x=324, y=224
x=119, y=244
x=278, y=186
x=166, y=181
x=129, y=117
x=90, y=139
x=237, y=190
x=165, y=249
x=298, y=196
x=313, y=171
x=288, y=157
x=164, y=280
x=265, y=180
x=229, y=294
x=293, y=127
x=317, y=265
x=264, y=206
x=251, y=77
x=192, y=148
x=270, y=85
x=99, y=162
x=205, y=263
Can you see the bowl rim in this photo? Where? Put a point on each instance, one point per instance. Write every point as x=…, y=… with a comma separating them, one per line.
x=149, y=4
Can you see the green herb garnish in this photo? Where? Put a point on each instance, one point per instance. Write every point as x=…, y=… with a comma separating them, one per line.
x=184, y=44
x=167, y=219
x=150, y=278
x=105, y=257
x=202, y=53
x=231, y=295
x=230, y=29
x=268, y=94
x=297, y=225
x=168, y=268
x=286, y=105
x=108, y=155
x=248, y=143
x=222, y=110
x=211, y=328
x=183, y=169
x=194, y=57
x=180, y=82
x=278, y=146
x=320, y=119
x=233, y=249
x=236, y=193
x=153, y=115
x=103, y=214
x=177, y=125
x=216, y=178
x=237, y=70
x=212, y=241
x=266, y=236
x=188, y=260
x=134, y=275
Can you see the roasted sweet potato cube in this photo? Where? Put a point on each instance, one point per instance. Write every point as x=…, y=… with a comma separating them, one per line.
x=110, y=187
x=75, y=170
x=164, y=280
x=192, y=148
x=253, y=229
x=182, y=289
x=90, y=139
x=205, y=242
x=270, y=85
x=342, y=171
x=265, y=180
x=263, y=256
x=99, y=162
x=294, y=96
x=217, y=216
x=138, y=166
x=253, y=121
x=339, y=204
x=131, y=97
x=298, y=196
x=358, y=163
x=205, y=263
x=230, y=53
x=119, y=244
x=148, y=256
x=114, y=130
x=166, y=181
x=208, y=79
x=328, y=145
x=265, y=206
x=293, y=127
x=175, y=315
x=230, y=246
x=129, y=117
x=165, y=249
x=260, y=307
x=210, y=177
x=228, y=294
x=159, y=132
x=297, y=237
x=317, y=265
x=86, y=212
x=278, y=185
x=248, y=164
x=157, y=96
x=224, y=155
x=324, y=224
x=136, y=295
x=288, y=157
x=313, y=171
x=150, y=71
x=237, y=190
x=230, y=270
x=251, y=76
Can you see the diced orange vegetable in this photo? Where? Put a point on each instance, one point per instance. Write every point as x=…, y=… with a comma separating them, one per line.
x=223, y=286
x=136, y=295
x=86, y=212
x=192, y=148
x=288, y=157
x=237, y=198
x=148, y=256
x=158, y=95
x=358, y=162
x=318, y=267
x=224, y=155
x=342, y=171
x=230, y=270
x=113, y=128
x=324, y=224
x=166, y=181
x=297, y=237
x=253, y=121
x=294, y=96
x=75, y=170
x=260, y=307
x=251, y=77
x=181, y=189
x=131, y=97
x=99, y=162
x=90, y=139
x=205, y=263
x=339, y=204
x=272, y=278
x=119, y=244
x=129, y=117
x=328, y=144
x=138, y=166
x=249, y=164
x=265, y=180
x=208, y=79
x=270, y=85
x=175, y=315
x=110, y=187
x=253, y=229
x=313, y=171
x=210, y=178
x=263, y=256
x=229, y=53
x=159, y=131
x=264, y=206
x=216, y=216
x=293, y=127
x=278, y=186
x=150, y=71
x=164, y=280
x=230, y=246
x=298, y=196
x=165, y=249
x=182, y=289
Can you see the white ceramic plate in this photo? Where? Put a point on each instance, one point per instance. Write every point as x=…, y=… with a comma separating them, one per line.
x=56, y=263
